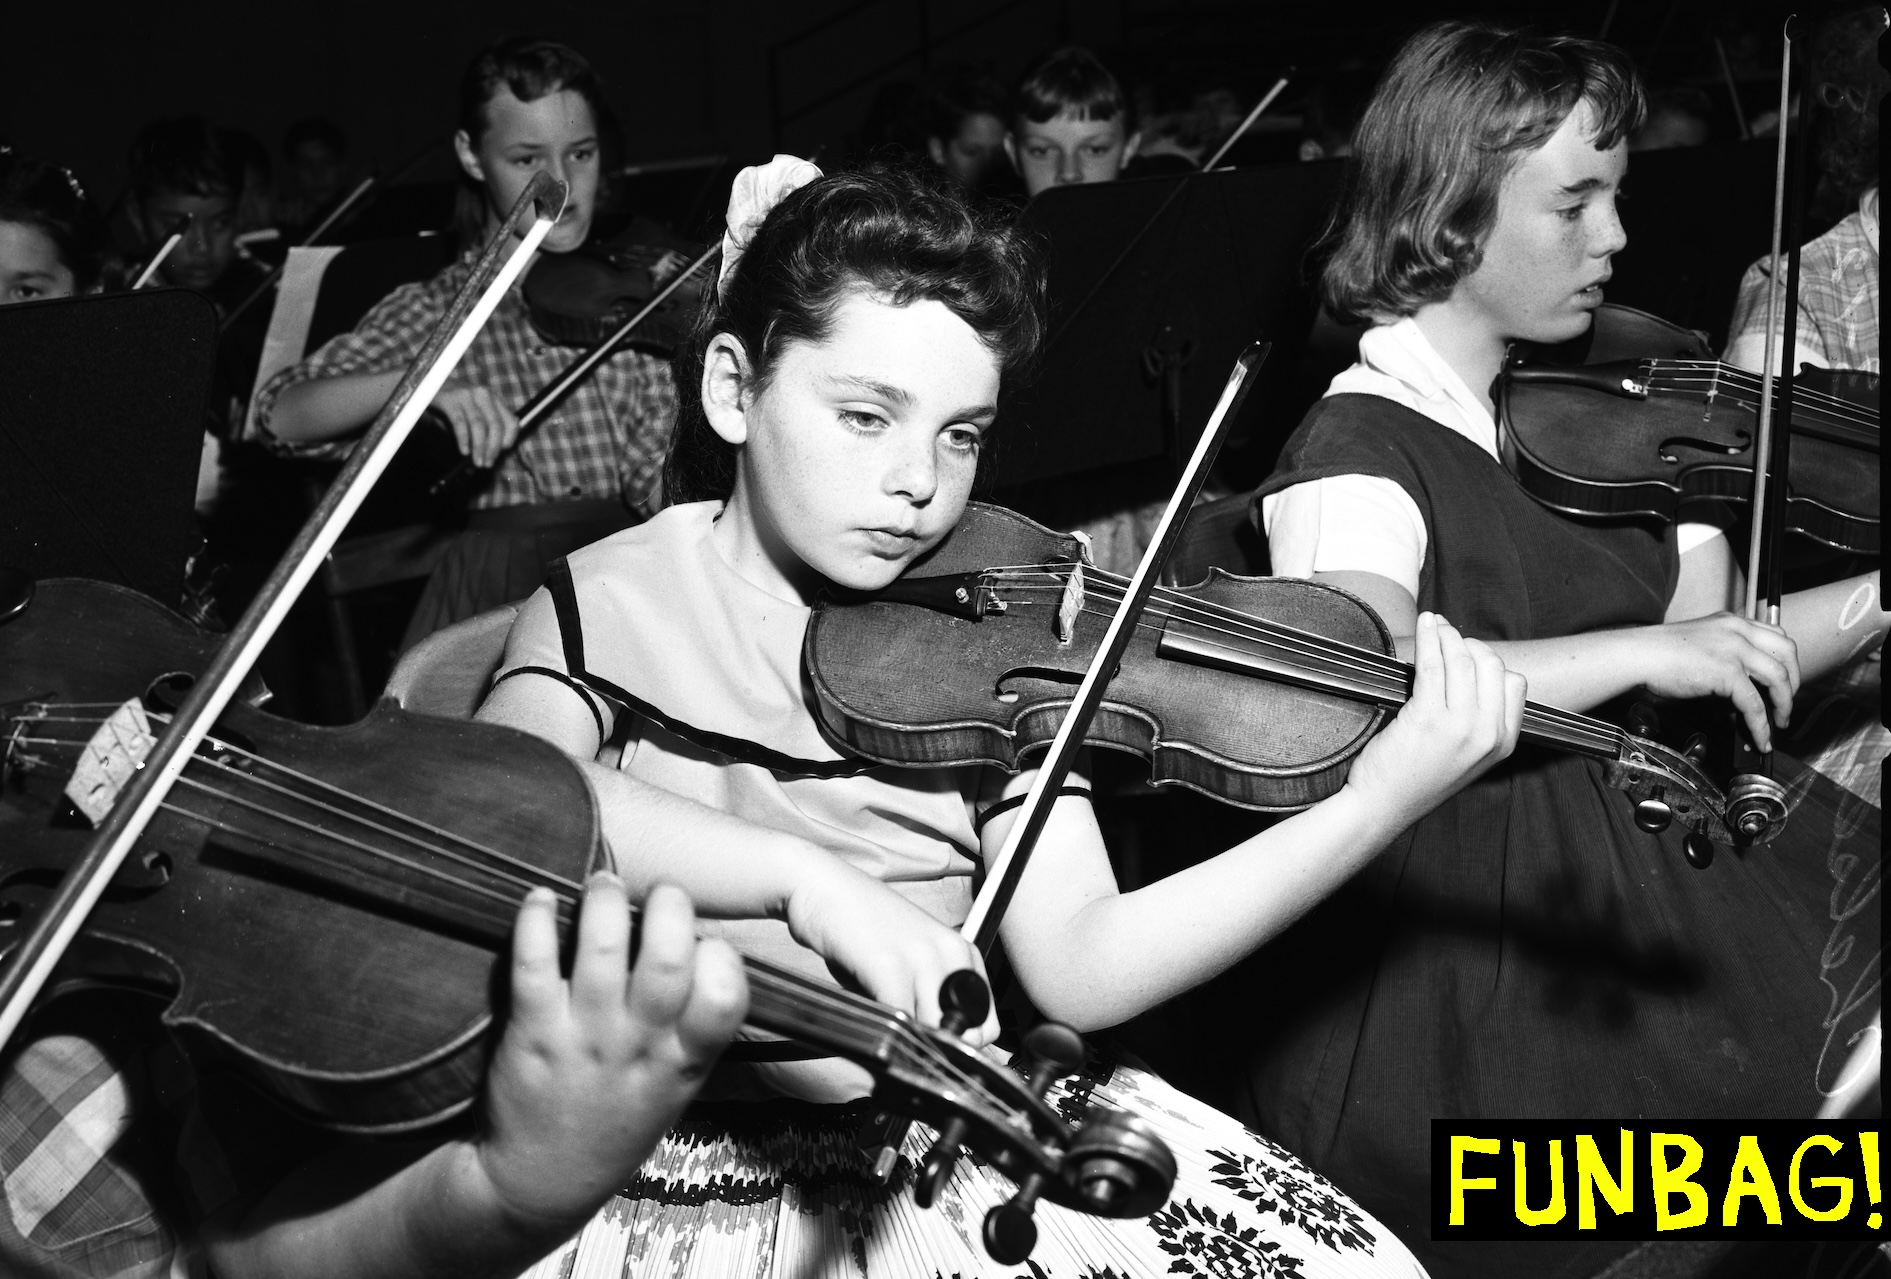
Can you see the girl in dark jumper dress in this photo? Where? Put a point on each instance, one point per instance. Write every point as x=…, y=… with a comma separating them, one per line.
x=1525, y=951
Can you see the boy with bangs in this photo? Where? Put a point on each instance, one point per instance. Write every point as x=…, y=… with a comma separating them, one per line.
x=1070, y=123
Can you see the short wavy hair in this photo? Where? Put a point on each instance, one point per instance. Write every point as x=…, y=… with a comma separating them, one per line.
x=1458, y=108
x=530, y=69
x=891, y=232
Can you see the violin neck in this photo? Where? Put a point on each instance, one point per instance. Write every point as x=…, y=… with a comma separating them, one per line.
x=786, y=1003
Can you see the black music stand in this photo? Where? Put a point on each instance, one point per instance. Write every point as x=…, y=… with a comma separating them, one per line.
x=102, y=404
x=1156, y=285
x=1696, y=218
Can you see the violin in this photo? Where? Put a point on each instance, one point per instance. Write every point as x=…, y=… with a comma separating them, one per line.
x=1258, y=691
x=374, y=871
x=604, y=308
x=1646, y=424
x=581, y=298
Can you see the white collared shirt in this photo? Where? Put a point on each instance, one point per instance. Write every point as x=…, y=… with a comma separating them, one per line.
x=1369, y=524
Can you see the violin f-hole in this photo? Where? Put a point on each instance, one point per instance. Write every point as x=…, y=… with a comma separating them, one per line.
x=1742, y=442
x=1050, y=674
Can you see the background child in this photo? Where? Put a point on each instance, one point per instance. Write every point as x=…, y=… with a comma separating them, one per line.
x=1070, y=123
x=53, y=243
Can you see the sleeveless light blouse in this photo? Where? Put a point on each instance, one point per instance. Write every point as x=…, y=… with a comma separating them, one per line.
x=666, y=620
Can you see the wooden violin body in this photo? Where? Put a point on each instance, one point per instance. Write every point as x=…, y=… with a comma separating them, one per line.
x=330, y=907
x=924, y=685
x=1651, y=435
x=266, y=901
x=580, y=298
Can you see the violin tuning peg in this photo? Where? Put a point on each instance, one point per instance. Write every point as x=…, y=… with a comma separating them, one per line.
x=937, y=1169
x=1053, y=1051
x=1643, y=721
x=964, y=1000
x=1696, y=748
x=1010, y=1232
x=1699, y=851
x=880, y=1139
x=1653, y=815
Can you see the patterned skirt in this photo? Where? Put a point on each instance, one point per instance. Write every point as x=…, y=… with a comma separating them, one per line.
x=779, y=1191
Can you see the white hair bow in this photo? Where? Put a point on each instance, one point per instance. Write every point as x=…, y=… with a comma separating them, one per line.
x=757, y=189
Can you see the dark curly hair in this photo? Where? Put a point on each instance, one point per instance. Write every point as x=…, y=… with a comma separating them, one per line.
x=893, y=232
x=1458, y=108
x=37, y=194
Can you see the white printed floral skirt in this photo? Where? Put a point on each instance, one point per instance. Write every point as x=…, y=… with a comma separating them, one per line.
x=782, y=1193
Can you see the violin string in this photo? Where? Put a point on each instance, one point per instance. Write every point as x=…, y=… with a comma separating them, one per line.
x=1852, y=428
x=522, y=867
x=859, y=1016
x=1701, y=373
x=1548, y=720
x=567, y=893
x=844, y=1011
x=1730, y=374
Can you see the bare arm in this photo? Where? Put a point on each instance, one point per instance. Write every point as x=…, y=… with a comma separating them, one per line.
x=587, y=1077
x=1831, y=624
x=1700, y=650
x=736, y=869
x=1093, y=957
x=330, y=407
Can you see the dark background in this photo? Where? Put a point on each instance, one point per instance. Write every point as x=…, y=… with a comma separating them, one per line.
x=739, y=77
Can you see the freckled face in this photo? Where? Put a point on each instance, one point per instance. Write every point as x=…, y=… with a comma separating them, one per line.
x=556, y=132
x=861, y=450
x=1067, y=150
x=30, y=266
x=1548, y=255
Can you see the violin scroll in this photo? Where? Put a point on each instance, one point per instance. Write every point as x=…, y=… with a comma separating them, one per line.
x=1671, y=786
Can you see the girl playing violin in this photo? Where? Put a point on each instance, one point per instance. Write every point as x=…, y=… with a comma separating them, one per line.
x=1525, y=950
x=840, y=387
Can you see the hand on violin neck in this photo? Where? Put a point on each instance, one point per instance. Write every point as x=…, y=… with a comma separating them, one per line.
x=590, y=1072
x=887, y=946
x=483, y=426
x=1463, y=716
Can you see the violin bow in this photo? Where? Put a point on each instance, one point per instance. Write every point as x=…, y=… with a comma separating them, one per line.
x=1756, y=803
x=1248, y=123
x=164, y=251
x=1005, y=871
x=1149, y=225
x=1769, y=450
x=79, y=890
x=534, y=410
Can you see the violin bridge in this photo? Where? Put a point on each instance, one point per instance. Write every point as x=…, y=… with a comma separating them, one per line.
x=117, y=750
x=1070, y=607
